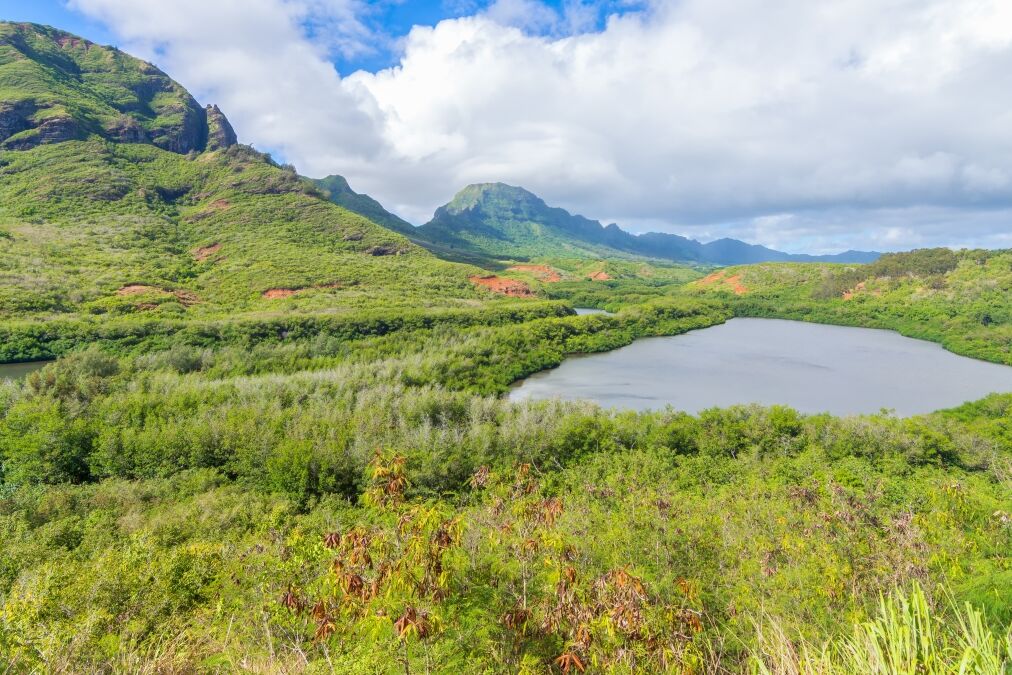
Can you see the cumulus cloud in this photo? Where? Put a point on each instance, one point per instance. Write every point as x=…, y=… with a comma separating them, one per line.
x=257, y=59
x=820, y=125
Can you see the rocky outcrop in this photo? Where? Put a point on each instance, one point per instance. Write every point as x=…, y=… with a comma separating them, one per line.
x=184, y=136
x=14, y=118
x=128, y=130
x=220, y=134
x=55, y=129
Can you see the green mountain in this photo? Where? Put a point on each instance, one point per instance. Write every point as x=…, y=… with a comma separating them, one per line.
x=120, y=196
x=509, y=222
x=57, y=87
x=337, y=190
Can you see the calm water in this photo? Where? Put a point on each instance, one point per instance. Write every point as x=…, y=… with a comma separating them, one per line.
x=810, y=367
x=583, y=311
x=15, y=371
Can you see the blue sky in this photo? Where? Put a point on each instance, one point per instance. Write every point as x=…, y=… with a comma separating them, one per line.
x=55, y=13
x=391, y=18
x=804, y=125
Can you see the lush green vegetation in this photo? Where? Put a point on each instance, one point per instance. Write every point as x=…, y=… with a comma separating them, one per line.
x=55, y=86
x=275, y=438
x=171, y=510
x=959, y=299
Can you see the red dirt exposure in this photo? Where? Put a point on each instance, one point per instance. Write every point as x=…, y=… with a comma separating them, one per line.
x=732, y=283
x=202, y=254
x=847, y=295
x=510, y=287
x=542, y=272
x=212, y=208
x=599, y=276
x=710, y=279
x=138, y=289
x=186, y=298
x=277, y=293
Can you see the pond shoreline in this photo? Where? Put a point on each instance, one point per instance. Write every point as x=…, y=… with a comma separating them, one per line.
x=813, y=367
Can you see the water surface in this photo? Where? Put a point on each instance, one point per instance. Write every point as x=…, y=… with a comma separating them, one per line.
x=15, y=371
x=583, y=311
x=810, y=367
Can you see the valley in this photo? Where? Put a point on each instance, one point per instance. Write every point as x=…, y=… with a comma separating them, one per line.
x=277, y=433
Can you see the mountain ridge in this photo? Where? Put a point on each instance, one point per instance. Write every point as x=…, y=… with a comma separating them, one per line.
x=462, y=226
x=484, y=215
x=122, y=198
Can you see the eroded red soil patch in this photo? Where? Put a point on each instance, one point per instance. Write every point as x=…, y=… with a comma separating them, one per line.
x=510, y=287
x=599, y=276
x=718, y=278
x=710, y=279
x=276, y=293
x=542, y=272
x=202, y=254
x=186, y=298
x=734, y=283
x=138, y=289
x=861, y=287
x=212, y=208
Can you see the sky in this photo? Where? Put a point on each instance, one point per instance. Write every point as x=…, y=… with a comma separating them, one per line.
x=805, y=125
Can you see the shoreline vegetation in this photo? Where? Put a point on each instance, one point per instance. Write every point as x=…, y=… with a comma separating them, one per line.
x=231, y=480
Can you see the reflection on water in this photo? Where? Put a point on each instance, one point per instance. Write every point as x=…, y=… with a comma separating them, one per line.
x=810, y=367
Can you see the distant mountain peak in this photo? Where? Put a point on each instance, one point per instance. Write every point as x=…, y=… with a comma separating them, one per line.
x=492, y=194
x=507, y=221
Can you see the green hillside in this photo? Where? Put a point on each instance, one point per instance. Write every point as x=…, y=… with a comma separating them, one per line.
x=55, y=87
x=962, y=300
x=172, y=223
x=510, y=222
x=337, y=190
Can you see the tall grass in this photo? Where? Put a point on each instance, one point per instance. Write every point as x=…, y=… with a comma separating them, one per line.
x=906, y=637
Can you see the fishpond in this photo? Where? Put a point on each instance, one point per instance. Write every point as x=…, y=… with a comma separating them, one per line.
x=15, y=371
x=810, y=367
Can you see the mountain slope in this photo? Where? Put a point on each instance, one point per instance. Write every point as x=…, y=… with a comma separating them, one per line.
x=510, y=222
x=56, y=87
x=338, y=191
x=120, y=195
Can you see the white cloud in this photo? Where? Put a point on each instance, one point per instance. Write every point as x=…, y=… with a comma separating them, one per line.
x=893, y=114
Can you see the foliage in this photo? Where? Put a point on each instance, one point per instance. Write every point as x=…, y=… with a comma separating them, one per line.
x=905, y=638
x=959, y=299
